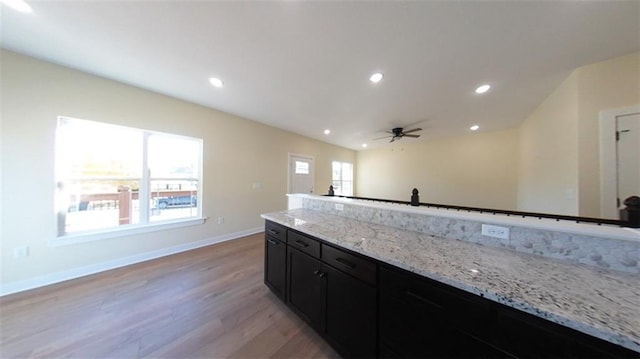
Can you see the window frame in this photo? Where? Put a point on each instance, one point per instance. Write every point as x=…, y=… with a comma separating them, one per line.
x=145, y=223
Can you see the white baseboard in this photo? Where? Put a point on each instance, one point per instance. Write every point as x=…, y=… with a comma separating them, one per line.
x=41, y=281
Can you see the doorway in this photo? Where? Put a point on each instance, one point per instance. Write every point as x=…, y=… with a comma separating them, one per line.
x=619, y=158
x=301, y=174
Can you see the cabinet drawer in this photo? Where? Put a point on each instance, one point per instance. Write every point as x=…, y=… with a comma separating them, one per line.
x=303, y=243
x=356, y=266
x=527, y=336
x=275, y=230
x=404, y=285
x=466, y=311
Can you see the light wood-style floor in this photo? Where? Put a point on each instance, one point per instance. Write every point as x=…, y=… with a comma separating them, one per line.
x=207, y=303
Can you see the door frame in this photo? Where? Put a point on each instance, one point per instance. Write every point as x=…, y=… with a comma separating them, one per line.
x=290, y=155
x=609, y=160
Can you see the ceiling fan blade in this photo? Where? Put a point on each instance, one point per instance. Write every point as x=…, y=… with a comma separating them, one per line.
x=379, y=138
x=413, y=130
x=414, y=136
x=392, y=139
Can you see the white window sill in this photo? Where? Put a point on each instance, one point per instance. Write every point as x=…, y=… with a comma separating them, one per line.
x=122, y=232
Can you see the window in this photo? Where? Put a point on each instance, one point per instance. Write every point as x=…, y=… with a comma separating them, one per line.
x=302, y=168
x=112, y=176
x=342, y=178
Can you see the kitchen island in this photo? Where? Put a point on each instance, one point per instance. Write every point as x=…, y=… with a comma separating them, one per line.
x=596, y=302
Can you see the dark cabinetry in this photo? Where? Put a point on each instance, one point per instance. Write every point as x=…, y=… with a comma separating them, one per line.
x=526, y=336
x=351, y=319
x=420, y=317
x=306, y=288
x=340, y=303
x=331, y=289
x=303, y=243
x=365, y=308
x=275, y=256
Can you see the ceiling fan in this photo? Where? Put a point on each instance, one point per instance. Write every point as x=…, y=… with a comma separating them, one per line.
x=397, y=133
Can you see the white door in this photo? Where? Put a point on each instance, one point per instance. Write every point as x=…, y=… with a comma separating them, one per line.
x=619, y=159
x=628, y=156
x=300, y=174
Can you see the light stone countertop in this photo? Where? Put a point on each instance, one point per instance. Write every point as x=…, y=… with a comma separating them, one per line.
x=598, y=302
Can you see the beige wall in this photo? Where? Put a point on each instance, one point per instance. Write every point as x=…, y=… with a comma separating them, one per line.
x=550, y=163
x=237, y=153
x=456, y=171
x=474, y=170
x=559, y=165
x=548, y=149
x=605, y=85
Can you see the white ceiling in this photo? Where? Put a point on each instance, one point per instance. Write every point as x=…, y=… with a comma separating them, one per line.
x=304, y=66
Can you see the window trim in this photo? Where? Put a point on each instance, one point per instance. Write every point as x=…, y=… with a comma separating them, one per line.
x=65, y=238
x=123, y=231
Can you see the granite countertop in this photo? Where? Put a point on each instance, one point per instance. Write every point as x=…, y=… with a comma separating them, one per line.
x=602, y=303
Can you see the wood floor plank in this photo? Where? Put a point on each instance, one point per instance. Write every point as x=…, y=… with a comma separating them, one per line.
x=206, y=303
x=267, y=342
x=306, y=344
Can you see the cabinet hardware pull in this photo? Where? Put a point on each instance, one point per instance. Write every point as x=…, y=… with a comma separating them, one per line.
x=273, y=231
x=345, y=263
x=316, y=272
x=301, y=243
x=423, y=299
x=322, y=275
x=271, y=241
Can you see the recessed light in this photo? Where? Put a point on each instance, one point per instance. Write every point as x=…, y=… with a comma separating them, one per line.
x=364, y=145
x=483, y=88
x=216, y=82
x=377, y=77
x=18, y=5
x=326, y=132
x=474, y=128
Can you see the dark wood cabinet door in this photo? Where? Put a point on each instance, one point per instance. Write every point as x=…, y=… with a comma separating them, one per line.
x=410, y=329
x=526, y=336
x=306, y=287
x=420, y=319
x=467, y=345
x=412, y=316
x=275, y=268
x=351, y=315
x=527, y=339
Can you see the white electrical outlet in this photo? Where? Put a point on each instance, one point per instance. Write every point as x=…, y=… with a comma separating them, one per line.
x=495, y=231
x=220, y=220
